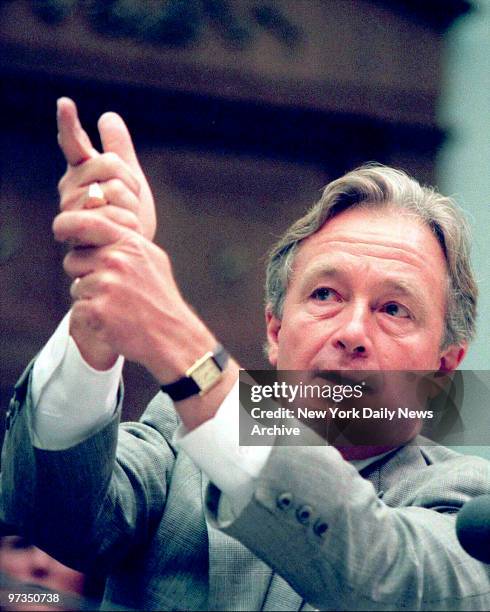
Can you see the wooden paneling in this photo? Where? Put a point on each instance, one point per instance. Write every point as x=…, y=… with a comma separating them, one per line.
x=354, y=56
x=236, y=143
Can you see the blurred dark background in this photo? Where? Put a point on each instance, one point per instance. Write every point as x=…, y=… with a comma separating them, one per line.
x=240, y=110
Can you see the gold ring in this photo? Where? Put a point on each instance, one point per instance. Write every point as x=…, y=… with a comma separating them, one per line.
x=95, y=196
x=73, y=288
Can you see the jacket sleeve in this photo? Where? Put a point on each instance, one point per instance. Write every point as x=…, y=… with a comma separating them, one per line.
x=91, y=504
x=323, y=528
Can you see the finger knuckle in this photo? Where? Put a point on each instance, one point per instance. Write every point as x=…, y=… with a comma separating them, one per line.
x=62, y=184
x=134, y=223
x=64, y=203
x=110, y=160
x=105, y=283
x=113, y=260
x=73, y=293
x=58, y=226
x=131, y=241
x=68, y=201
x=69, y=264
x=115, y=190
x=127, y=218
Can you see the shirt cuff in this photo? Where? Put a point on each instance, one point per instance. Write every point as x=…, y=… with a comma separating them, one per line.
x=214, y=447
x=70, y=399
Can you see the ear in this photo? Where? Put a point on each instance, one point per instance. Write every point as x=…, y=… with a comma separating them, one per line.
x=273, y=325
x=452, y=357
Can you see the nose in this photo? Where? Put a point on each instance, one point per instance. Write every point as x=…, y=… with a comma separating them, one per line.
x=352, y=337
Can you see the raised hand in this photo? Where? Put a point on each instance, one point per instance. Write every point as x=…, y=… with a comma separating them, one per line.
x=126, y=300
x=128, y=201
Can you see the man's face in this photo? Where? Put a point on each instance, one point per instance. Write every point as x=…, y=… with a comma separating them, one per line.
x=367, y=292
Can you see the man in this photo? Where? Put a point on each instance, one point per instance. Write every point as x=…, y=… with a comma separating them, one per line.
x=375, y=277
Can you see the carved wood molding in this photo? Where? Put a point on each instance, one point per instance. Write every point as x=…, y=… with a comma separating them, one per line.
x=356, y=57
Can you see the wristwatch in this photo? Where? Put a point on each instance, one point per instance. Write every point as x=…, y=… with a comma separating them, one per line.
x=200, y=377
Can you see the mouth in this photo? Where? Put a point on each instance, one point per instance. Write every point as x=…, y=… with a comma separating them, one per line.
x=372, y=382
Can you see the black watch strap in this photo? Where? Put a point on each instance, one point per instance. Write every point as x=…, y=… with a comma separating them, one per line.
x=187, y=386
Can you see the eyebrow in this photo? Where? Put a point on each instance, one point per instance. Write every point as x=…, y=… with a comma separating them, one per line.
x=405, y=289
x=319, y=270
x=398, y=286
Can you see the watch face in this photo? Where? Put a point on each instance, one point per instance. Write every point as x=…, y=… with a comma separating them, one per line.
x=206, y=374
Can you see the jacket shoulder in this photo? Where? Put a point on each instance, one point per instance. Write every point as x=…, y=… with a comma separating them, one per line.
x=433, y=476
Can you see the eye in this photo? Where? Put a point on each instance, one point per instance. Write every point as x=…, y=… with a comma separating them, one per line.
x=325, y=294
x=396, y=310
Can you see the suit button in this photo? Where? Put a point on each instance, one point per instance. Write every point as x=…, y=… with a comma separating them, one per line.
x=320, y=528
x=303, y=514
x=284, y=500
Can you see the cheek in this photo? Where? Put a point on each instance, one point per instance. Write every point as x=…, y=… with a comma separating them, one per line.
x=298, y=342
x=417, y=353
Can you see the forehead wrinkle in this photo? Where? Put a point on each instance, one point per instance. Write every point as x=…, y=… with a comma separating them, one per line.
x=325, y=267
x=386, y=245
x=326, y=254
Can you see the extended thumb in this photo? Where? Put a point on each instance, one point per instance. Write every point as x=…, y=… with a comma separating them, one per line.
x=115, y=138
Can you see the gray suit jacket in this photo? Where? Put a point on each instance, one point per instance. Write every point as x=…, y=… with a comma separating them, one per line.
x=316, y=533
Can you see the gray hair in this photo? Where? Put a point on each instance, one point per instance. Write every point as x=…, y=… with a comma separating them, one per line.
x=377, y=185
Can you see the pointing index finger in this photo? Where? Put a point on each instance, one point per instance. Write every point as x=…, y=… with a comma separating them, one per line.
x=72, y=138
